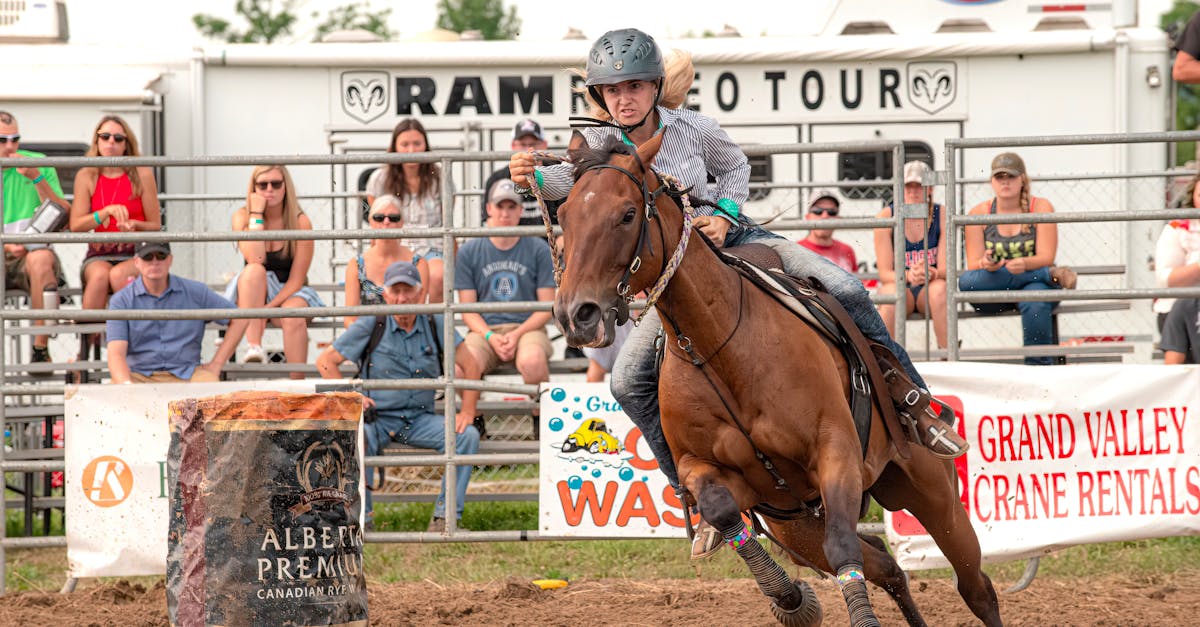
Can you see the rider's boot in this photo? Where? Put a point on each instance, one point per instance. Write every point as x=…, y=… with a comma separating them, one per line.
x=705, y=538
x=934, y=431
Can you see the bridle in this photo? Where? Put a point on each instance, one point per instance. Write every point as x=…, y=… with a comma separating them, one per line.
x=669, y=186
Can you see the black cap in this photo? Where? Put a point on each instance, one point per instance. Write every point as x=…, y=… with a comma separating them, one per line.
x=144, y=248
x=528, y=127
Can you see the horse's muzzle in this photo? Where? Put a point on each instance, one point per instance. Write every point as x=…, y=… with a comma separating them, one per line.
x=587, y=323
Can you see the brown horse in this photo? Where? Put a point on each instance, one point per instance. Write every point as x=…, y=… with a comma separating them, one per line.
x=765, y=409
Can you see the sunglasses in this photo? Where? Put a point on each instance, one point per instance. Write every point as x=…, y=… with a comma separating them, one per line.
x=156, y=256
x=262, y=185
x=116, y=137
x=820, y=211
x=390, y=217
x=4, y=139
x=1003, y=176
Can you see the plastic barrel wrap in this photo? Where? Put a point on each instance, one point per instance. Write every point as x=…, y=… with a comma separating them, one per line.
x=265, y=510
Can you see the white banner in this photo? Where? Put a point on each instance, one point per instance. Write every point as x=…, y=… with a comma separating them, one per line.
x=116, y=471
x=598, y=477
x=1067, y=455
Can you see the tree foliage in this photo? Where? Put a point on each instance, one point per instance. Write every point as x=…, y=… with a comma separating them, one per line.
x=355, y=16
x=486, y=16
x=265, y=24
x=1187, y=98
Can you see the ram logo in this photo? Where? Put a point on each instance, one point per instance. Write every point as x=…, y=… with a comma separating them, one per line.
x=932, y=85
x=364, y=94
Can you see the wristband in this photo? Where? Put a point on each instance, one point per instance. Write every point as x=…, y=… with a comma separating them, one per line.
x=728, y=207
x=39, y=179
x=96, y=217
x=487, y=337
x=537, y=174
x=256, y=221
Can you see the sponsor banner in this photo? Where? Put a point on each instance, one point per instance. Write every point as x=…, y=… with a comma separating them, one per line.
x=1062, y=456
x=598, y=477
x=116, y=471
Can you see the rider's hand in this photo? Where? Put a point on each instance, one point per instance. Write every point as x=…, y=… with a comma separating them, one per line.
x=520, y=168
x=715, y=228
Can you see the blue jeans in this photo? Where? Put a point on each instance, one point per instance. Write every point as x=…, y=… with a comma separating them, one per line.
x=1037, y=323
x=635, y=375
x=424, y=430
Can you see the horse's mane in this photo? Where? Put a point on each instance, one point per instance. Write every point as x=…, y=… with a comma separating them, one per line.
x=587, y=157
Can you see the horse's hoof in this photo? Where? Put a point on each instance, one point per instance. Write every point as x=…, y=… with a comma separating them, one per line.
x=806, y=611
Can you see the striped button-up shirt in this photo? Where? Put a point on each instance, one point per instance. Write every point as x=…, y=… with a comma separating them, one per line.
x=693, y=147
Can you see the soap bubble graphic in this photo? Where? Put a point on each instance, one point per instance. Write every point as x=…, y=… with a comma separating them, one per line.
x=574, y=482
x=558, y=394
x=625, y=474
x=556, y=424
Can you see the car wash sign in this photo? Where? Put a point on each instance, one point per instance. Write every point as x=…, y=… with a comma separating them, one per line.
x=784, y=92
x=598, y=477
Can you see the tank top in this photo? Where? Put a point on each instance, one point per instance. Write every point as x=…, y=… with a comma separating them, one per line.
x=914, y=250
x=279, y=264
x=1023, y=244
x=114, y=191
x=370, y=292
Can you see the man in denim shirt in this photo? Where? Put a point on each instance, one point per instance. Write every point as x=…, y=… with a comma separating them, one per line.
x=408, y=349
x=165, y=351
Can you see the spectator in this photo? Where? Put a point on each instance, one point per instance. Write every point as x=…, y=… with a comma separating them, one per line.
x=419, y=188
x=505, y=269
x=1187, y=45
x=364, y=274
x=165, y=351
x=275, y=272
x=1177, y=255
x=32, y=268
x=527, y=135
x=110, y=200
x=924, y=256
x=409, y=348
x=1181, y=333
x=825, y=206
x=1015, y=256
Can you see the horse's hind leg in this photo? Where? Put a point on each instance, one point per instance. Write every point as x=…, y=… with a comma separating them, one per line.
x=793, y=603
x=925, y=489
x=882, y=570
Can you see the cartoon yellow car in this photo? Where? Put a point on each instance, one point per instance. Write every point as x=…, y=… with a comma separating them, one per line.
x=592, y=435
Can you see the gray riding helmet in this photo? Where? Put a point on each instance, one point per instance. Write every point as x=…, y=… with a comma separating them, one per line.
x=623, y=55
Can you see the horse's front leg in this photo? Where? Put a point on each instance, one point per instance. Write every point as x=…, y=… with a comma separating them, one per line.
x=839, y=476
x=793, y=602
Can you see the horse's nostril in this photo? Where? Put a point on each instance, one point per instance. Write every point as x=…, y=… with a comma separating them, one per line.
x=587, y=314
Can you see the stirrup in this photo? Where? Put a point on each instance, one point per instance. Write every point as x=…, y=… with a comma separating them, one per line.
x=939, y=437
x=922, y=425
x=706, y=541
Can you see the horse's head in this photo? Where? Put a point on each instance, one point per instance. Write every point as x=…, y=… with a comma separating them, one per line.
x=605, y=238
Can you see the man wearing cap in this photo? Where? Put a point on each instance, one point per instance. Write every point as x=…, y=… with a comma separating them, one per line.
x=527, y=135
x=826, y=205
x=507, y=269
x=409, y=347
x=165, y=351
x=32, y=268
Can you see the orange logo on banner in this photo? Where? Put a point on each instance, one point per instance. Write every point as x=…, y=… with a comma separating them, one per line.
x=107, y=480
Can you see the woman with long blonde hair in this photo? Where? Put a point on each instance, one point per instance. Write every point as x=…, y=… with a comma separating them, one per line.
x=275, y=272
x=112, y=200
x=1015, y=256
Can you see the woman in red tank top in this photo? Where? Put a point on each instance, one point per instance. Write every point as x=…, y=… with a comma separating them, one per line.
x=112, y=199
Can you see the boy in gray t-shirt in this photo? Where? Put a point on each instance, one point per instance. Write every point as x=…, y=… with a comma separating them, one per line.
x=507, y=269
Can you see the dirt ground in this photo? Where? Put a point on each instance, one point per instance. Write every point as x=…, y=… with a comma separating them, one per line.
x=1095, y=601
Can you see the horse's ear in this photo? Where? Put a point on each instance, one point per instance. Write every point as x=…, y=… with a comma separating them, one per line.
x=649, y=150
x=577, y=141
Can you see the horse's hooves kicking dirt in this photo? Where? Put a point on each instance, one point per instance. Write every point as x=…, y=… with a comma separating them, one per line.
x=806, y=614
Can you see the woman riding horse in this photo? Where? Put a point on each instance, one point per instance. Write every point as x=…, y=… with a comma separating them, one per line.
x=635, y=99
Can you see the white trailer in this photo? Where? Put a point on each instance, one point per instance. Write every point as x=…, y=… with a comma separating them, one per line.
x=921, y=72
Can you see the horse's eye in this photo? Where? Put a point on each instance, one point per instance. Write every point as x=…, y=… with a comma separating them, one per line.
x=630, y=214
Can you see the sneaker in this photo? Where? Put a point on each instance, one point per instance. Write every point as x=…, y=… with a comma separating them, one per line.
x=1063, y=277
x=437, y=525
x=706, y=541
x=254, y=354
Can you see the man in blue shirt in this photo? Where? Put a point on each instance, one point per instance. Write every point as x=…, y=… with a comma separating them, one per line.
x=409, y=348
x=507, y=269
x=165, y=351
